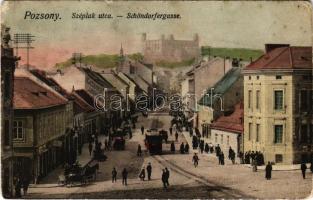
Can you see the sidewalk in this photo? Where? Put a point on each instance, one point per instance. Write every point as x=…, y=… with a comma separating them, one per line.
x=51, y=180
x=275, y=167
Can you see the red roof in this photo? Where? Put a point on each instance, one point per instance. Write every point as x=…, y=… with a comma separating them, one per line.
x=30, y=95
x=232, y=123
x=284, y=58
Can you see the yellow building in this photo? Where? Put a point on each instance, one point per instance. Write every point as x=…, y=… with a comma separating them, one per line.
x=278, y=104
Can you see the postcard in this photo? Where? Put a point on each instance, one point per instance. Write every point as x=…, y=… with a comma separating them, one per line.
x=156, y=99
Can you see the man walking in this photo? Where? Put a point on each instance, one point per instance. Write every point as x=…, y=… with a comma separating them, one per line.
x=303, y=169
x=139, y=152
x=195, y=160
x=90, y=148
x=114, y=174
x=164, y=178
x=149, y=171
x=176, y=136
x=167, y=176
x=268, y=171
x=124, y=175
x=142, y=130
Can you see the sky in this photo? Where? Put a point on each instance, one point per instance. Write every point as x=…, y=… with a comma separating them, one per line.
x=247, y=24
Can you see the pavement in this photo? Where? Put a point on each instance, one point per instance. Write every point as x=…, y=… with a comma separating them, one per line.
x=208, y=180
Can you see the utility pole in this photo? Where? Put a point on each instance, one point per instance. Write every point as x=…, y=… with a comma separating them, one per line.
x=24, y=38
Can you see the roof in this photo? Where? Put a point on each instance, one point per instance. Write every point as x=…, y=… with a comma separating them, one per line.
x=97, y=77
x=221, y=86
x=30, y=95
x=284, y=58
x=115, y=80
x=232, y=123
x=80, y=104
x=86, y=96
x=42, y=76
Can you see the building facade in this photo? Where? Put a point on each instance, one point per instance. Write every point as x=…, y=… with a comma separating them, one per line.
x=278, y=104
x=8, y=64
x=170, y=49
x=41, y=130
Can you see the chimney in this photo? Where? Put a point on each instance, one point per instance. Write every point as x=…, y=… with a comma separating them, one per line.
x=270, y=47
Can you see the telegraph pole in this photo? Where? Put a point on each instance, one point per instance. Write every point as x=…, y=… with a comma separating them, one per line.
x=24, y=38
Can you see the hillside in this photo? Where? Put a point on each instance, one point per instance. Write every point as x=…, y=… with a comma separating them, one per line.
x=242, y=53
x=100, y=61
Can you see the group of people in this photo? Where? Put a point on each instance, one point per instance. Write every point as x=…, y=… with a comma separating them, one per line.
x=142, y=174
x=124, y=176
x=184, y=148
x=251, y=157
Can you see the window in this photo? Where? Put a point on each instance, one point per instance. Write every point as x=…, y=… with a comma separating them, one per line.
x=257, y=77
x=249, y=98
x=258, y=99
x=257, y=132
x=6, y=132
x=278, y=99
x=304, y=138
x=227, y=139
x=250, y=130
x=222, y=139
x=278, y=77
x=249, y=77
x=278, y=158
x=18, y=132
x=215, y=138
x=278, y=129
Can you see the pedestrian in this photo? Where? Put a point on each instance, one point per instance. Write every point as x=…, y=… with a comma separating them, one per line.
x=187, y=148
x=303, y=169
x=167, y=173
x=25, y=184
x=206, y=148
x=142, y=174
x=195, y=160
x=222, y=158
x=139, y=152
x=142, y=130
x=217, y=150
x=201, y=146
x=190, y=132
x=164, y=178
x=124, y=175
x=311, y=167
x=106, y=146
x=182, y=148
x=172, y=147
x=176, y=136
x=268, y=171
x=90, y=148
x=230, y=151
x=114, y=174
x=149, y=171
x=171, y=130
x=254, y=165
x=18, y=187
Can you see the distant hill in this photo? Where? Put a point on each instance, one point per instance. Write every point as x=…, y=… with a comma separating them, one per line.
x=100, y=61
x=172, y=65
x=242, y=53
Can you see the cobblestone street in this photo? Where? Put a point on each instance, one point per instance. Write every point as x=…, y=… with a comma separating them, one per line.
x=208, y=180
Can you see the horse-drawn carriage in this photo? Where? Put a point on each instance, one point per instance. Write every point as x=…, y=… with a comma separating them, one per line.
x=77, y=174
